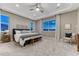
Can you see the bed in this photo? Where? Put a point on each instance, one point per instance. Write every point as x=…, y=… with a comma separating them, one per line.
x=21, y=36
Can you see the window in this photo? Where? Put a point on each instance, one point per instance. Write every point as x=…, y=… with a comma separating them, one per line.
x=31, y=25
x=49, y=25
x=4, y=21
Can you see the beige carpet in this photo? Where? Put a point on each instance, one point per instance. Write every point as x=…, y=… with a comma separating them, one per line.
x=46, y=47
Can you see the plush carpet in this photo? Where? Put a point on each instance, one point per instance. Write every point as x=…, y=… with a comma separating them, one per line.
x=48, y=46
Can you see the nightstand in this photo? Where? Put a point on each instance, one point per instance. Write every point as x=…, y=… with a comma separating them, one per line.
x=5, y=37
x=77, y=38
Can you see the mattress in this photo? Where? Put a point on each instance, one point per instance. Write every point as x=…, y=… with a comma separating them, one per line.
x=22, y=37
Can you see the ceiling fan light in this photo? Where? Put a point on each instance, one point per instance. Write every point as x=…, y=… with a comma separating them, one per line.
x=37, y=9
x=17, y=5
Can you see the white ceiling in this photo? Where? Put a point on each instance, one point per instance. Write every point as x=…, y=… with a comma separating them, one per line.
x=50, y=9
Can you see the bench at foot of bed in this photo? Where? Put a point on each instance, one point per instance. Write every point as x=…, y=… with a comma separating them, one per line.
x=31, y=41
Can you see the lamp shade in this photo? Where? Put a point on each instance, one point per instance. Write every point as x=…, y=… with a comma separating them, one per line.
x=67, y=26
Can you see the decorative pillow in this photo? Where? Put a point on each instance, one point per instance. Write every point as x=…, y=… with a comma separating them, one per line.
x=18, y=32
x=24, y=31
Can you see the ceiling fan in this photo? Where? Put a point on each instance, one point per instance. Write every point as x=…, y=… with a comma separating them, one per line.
x=37, y=7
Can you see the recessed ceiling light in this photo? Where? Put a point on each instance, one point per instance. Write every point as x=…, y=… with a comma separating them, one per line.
x=58, y=4
x=17, y=5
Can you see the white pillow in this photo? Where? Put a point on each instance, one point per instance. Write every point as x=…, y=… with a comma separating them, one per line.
x=25, y=31
x=18, y=32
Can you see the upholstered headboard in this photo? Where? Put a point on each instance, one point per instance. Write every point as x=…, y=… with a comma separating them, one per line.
x=19, y=30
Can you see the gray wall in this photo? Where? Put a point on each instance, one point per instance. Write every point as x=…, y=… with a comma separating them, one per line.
x=78, y=21
x=0, y=25
x=15, y=20
x=68, y=18
x=65, y=18
x=45, y=33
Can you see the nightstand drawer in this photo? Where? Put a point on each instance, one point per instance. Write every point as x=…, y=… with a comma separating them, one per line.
x=5, y=38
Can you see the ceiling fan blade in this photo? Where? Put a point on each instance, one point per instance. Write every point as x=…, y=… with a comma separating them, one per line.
x=41, y=8
x=41, y=11
x=35, y=5
x=31, y=9
x=38, y=5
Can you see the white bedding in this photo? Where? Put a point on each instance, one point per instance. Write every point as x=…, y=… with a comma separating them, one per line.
x=18, y=39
